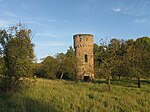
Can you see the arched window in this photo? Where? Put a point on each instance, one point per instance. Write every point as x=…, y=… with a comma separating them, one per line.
x=80, y=36
x=86, y=58
x=86, y=39
x=80, y=39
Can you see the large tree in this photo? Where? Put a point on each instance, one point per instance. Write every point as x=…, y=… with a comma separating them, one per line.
x=17, y=51
x=138, y=53
x=107, y=57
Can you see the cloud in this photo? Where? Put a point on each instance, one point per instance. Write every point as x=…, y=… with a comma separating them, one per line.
x=88, y=6
x=49, y=20
x=144, y=23
x=4, y=23
x=38, y=21
x=9, y=14
x=139, y=21
x=25, y=21
x=8, y=18
x=52, y=44
x=12, y=16
x=116, y=9
x=47, y=34
x=134, y=8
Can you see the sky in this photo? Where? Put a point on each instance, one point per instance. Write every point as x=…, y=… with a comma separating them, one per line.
x=54, y=22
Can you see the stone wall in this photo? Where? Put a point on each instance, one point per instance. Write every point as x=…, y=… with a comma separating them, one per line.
x=83, y=44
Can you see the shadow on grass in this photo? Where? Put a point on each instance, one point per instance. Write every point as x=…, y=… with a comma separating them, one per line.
x=99, y=81
x=125, y=83
x=20, y=104
x=38, y=106
x=5, y=102
x=145, y=81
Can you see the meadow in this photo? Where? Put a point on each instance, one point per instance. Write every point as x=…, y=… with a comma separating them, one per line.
x=68, y=96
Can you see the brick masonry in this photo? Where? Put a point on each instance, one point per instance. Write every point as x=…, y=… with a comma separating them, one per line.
x=83, y=44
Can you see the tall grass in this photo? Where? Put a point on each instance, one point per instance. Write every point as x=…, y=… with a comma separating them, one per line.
x=67, y=96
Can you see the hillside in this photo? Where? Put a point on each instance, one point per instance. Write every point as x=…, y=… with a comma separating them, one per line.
x=67, y=96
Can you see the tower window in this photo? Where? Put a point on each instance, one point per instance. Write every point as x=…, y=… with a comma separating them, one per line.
x=80, y=39
x=86, y=58
x=86, y=39
x=80, y=36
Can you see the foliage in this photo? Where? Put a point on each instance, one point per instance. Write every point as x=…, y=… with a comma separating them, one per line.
x=2, y=67
x=37, y=70
x=122, y=58
x=62, y=66
x=17, y=52
x=50, y=67
x=67, y=64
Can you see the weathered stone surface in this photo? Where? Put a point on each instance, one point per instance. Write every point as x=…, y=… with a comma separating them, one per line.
x=83, y=44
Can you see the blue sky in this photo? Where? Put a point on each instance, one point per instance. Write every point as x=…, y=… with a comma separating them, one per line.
x=54, y=22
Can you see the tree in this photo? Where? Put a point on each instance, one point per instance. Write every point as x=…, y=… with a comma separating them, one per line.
x=123, y=58
x=17, y=51
x=98, y=52
x=49, y=67
x=67, y=64
x=2, y=68
x=143, y=45
x=119, y=51
x=138, y=53
x=37, y=70
x=107, y=60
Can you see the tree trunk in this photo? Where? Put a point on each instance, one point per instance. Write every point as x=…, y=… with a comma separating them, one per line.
x=108, y=83
x=112, y=76
x=61, y=75
x=119, y=77
x=139, y=83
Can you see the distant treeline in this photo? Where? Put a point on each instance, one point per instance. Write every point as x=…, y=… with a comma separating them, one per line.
x=116, y=58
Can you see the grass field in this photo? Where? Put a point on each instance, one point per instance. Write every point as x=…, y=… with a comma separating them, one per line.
x=68, y=96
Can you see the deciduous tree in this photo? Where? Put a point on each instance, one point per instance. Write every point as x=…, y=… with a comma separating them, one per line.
x=17, y=51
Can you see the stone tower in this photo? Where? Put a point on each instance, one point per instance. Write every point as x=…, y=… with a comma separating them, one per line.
x=83, y=44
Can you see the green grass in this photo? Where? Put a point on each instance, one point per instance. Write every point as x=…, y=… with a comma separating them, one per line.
x=67, y=96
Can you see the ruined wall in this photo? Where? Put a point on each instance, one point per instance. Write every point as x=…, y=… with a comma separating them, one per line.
x=83, y=44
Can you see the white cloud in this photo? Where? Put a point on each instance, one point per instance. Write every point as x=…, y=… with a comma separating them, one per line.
x=49, y=20
x=4, y=23
x=88, y=6
x=9, y=14
x=117, y=9
x=52, y=44
x=32, y=22
x=46, y=34
x=144, y=23
x=139, y=21
x=134, y=8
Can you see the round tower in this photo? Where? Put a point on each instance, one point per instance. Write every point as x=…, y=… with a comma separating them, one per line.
x=83, y=44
